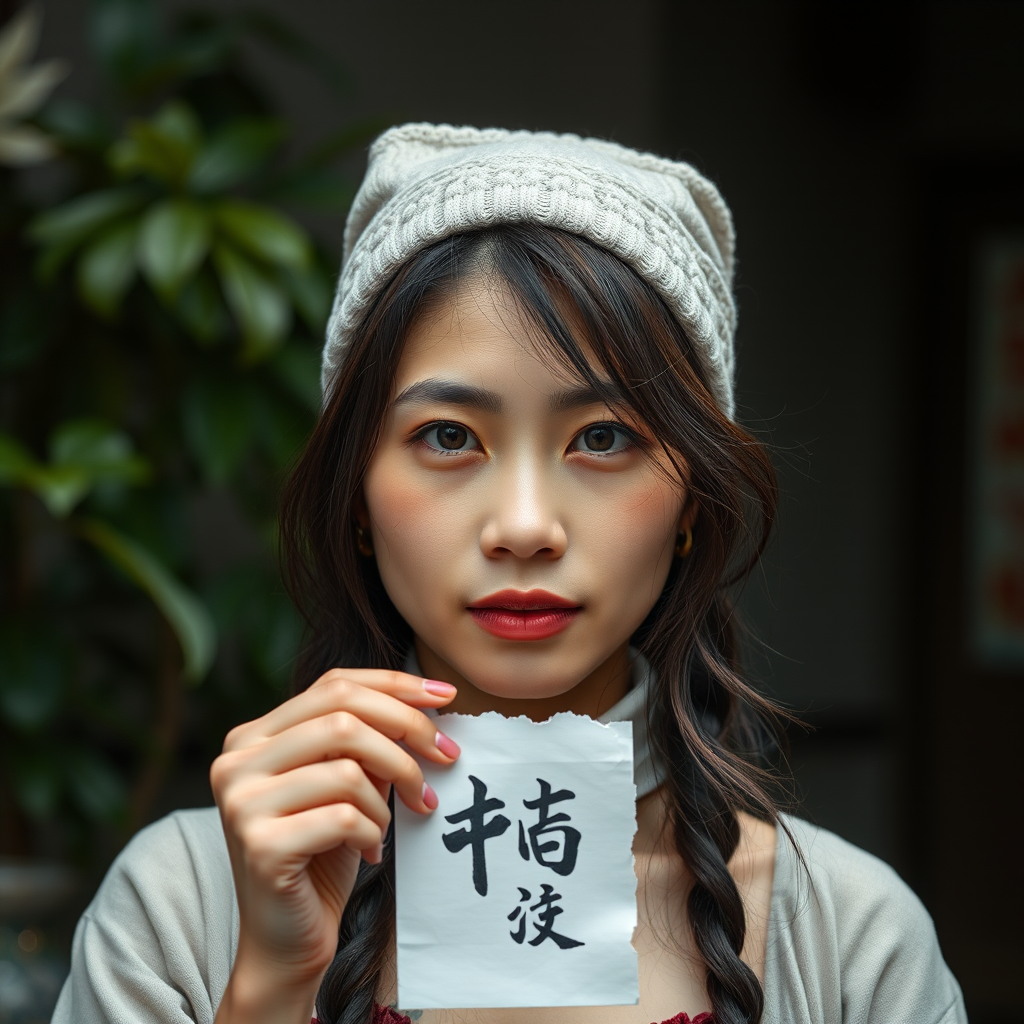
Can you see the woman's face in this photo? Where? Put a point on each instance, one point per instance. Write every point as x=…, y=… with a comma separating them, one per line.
x=521, y=529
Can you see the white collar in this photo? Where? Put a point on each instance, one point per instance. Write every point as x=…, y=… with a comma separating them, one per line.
x=647, y=773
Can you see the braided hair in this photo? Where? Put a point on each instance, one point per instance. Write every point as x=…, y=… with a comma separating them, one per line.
x=712, y=731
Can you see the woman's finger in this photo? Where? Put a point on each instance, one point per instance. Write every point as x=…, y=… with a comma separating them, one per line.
x=389, y=716
x=340, y=780
x=343, y=734
x=335, y=691
x=318, y=830
x=410, y=688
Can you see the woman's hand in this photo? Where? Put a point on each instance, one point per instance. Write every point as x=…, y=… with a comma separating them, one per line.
x=303, y=795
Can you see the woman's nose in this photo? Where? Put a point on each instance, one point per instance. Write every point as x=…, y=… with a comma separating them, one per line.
x=524, y=519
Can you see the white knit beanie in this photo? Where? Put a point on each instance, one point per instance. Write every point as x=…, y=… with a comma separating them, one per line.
x=427, y=182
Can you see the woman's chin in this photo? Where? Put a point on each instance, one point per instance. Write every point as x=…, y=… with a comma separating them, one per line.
x=520, y=673
x=534, y=686
x=501, y=690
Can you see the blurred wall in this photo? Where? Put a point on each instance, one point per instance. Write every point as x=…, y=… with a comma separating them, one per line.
x=865, y=149
x=824, y=125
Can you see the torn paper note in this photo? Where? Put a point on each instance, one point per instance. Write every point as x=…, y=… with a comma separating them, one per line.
x=519, y=889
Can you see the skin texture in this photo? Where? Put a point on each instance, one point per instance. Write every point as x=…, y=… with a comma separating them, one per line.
x=463, y=499
x=523, y=504
x=302, y=794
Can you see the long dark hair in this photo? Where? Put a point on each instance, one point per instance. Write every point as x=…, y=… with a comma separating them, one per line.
x=710, y=728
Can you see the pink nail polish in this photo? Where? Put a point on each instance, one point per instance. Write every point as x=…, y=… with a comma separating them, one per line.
x=447, y=745
x=438, y=688
x=429, y=796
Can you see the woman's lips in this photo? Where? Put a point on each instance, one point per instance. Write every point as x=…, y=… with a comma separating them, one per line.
x=524, y=615
x=535, y=625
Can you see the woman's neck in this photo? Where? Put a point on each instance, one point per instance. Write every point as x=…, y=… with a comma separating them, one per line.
x=592, y=696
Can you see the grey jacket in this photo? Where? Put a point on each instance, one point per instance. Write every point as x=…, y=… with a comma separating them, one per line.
x=848, y=942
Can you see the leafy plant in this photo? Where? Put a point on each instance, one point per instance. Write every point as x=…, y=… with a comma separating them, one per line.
x=23, y=90
x=160, y=323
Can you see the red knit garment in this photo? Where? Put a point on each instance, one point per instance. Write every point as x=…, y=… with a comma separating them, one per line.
x=387, y=1015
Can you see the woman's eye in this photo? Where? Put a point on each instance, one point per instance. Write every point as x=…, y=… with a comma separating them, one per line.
x=449, y=437
x=603, y=438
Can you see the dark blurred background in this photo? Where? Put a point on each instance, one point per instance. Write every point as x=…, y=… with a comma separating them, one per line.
x=873, y=158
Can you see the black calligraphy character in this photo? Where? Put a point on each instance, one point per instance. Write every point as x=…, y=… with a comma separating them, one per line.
x=547, y=824
x=477, y=832
x=547, y=919
x=520, y=933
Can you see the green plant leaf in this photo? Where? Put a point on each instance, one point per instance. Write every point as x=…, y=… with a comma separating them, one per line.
x=73, y=222
x=76, y=124
x=23, y=145
x=184, y=612
x=174, y=236
x=95, y=785
x=148, y=151
x=25, y=93
x=60, y=488
x=106, y=267
x=218, y=423
x=98, y=448
x=16, y=462
x=233, y=154
x=259, y=304
x=83, y=453
x=163, y=147
x=201, y=309
x=264, y=233
x=129, y=157
x=177, y=123
x=18, y=40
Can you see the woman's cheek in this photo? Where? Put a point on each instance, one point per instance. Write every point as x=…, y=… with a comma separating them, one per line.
x=413, y=535
x=639, y=560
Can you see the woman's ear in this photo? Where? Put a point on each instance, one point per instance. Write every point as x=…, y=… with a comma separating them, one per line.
x=684, y=538
x=689, y=516
x=360, y=511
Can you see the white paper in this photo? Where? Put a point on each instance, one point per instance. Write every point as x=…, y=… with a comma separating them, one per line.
x=458, y=947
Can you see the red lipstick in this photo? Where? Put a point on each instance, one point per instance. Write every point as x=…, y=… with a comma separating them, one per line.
x=524, y=614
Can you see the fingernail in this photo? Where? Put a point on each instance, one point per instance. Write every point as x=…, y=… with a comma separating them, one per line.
x=447, y=745
x=438, y=688
x=429, y=796
x=374, y=855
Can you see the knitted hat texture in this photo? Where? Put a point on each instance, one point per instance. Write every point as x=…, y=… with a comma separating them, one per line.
x=427, y=182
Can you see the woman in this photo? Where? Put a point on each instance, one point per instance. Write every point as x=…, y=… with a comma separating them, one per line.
x=526, y=493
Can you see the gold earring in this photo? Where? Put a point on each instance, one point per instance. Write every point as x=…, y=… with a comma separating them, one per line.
x=363, y=542
x=684, y=543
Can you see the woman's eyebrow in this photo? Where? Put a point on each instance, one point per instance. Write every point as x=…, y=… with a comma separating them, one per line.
x=601, y=393
x=450, y=392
